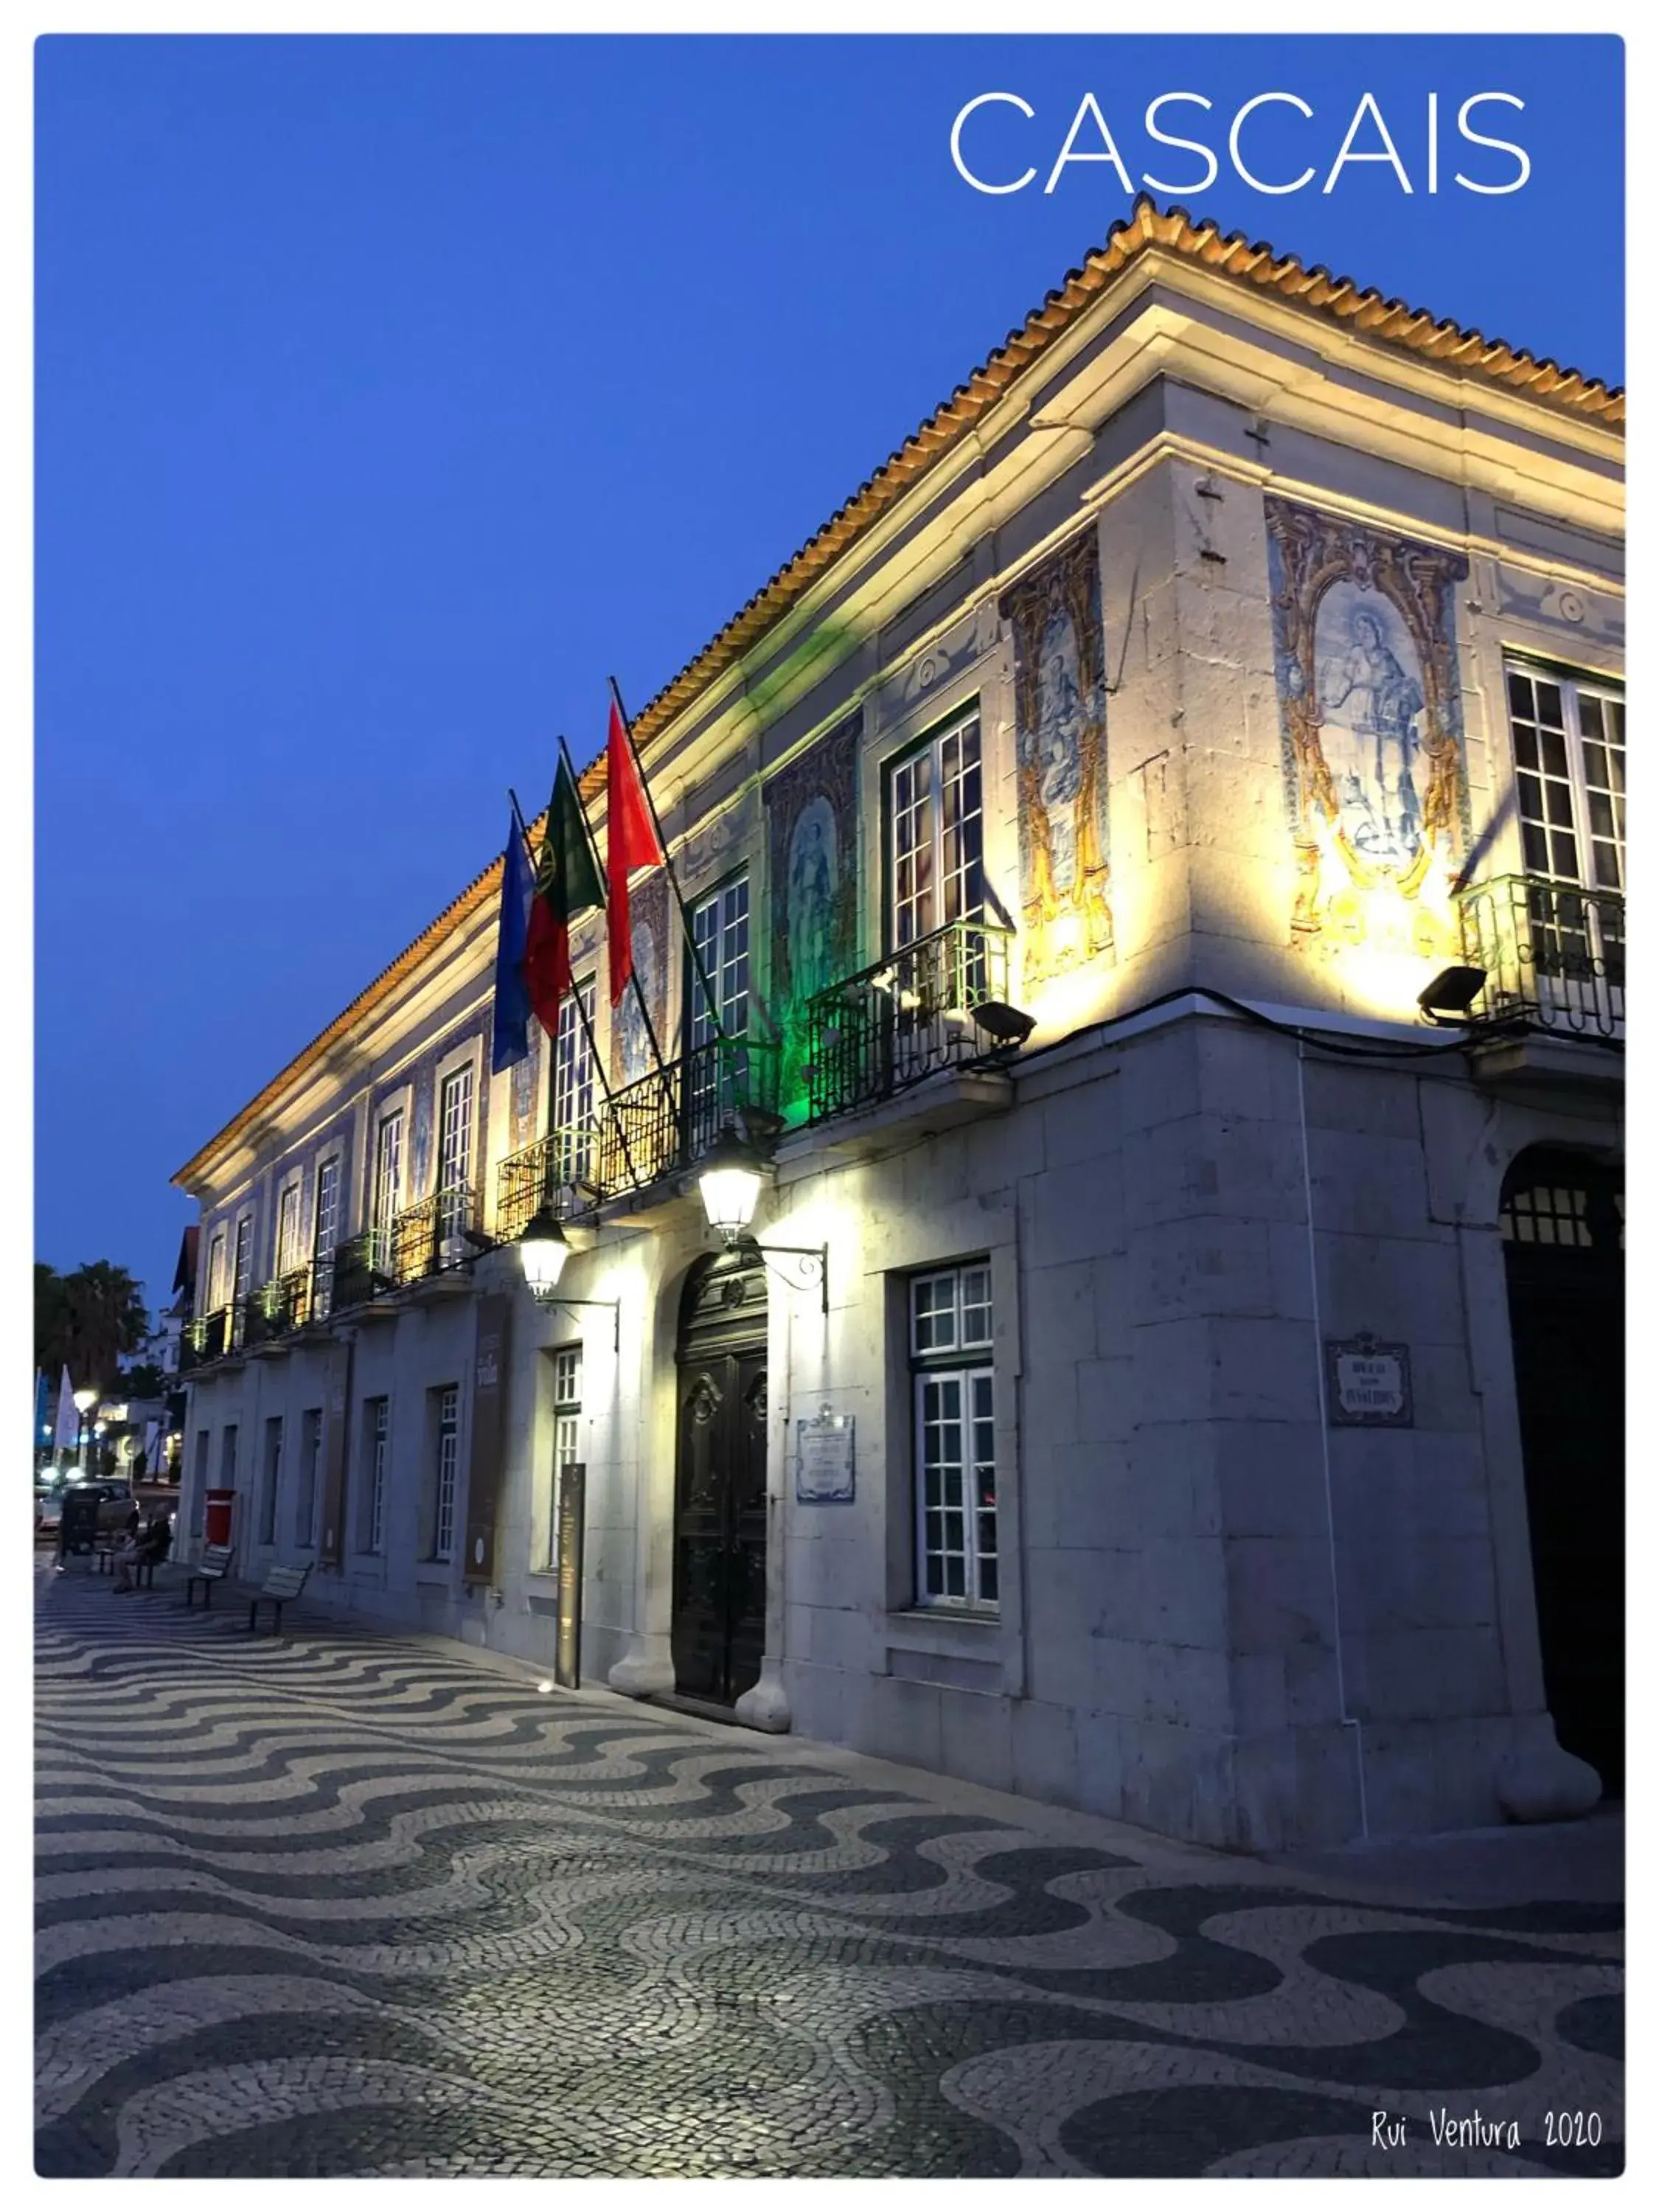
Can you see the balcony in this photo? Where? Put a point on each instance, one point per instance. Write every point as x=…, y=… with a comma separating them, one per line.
x=881, y=1032
x=434, y=1237
x=204, y=1340
x=1553, y=953
x=273, y=1313
x=639, y=1137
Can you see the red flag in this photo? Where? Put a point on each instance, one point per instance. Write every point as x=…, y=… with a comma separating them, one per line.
x=630, y=842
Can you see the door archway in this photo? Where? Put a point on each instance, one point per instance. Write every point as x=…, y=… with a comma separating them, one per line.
x=719, y=1636
x=1562, y=1222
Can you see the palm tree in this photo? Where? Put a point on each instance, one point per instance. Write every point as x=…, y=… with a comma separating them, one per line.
x=87, y=1320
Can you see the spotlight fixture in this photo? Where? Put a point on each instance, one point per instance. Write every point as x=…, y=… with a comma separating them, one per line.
x=1447, y=999
x=1006, y=1025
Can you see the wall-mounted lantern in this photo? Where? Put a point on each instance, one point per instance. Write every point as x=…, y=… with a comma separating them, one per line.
x=542, y=1252
x=729, y=1178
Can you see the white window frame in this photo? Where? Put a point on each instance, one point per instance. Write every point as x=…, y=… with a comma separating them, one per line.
x=915, y=910
x=573, y=1122
x=311, y=1456
x=242, y=1261
x=457, y=1138
x=446, y=1473
x=270, y=1478
x=386, y=1189
x=722, y=930
x=286, y=1256
x=379, y=1428
x=216, y=1271
x=568, y=1364
x=1588, y=842
x=949, y=1317
x=319, y=1249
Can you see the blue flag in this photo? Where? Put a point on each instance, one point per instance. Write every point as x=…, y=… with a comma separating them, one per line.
x=511, y=1038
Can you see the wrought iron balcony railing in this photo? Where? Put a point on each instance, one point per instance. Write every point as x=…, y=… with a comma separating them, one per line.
x=905, y=1017
x=360, y=1270
x=277, y=1308
x=431, y=1238
x=204, y=1340
x=656, y=1128
x=1553, y=953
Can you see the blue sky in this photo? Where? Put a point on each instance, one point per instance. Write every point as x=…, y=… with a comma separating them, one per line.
x=392, y=392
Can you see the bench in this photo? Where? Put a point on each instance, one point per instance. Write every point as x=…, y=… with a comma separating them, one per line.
x=212, y=1567
x=281, y=1584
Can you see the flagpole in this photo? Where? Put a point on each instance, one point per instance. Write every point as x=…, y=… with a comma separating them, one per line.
x=633, y=972
x=673, y=883
x=575, y=992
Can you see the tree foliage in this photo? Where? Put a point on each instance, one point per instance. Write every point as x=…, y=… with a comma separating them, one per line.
x=86, y=1321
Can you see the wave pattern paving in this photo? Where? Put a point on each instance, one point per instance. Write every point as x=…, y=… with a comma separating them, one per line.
x=345, y=1905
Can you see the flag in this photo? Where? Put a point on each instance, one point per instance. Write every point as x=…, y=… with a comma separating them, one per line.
x=566, y=882
x=69, y=1418
x=630, y=842
x=510, y=1040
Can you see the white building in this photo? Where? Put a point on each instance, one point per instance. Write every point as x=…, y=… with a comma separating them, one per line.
x=1177, y=1428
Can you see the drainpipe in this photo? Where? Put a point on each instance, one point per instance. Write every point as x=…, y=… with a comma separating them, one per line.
x=1348, y=1718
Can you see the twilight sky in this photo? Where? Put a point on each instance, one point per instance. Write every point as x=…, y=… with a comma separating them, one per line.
x=391, y=392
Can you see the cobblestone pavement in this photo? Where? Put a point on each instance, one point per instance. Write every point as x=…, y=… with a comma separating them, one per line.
x=349, y=1905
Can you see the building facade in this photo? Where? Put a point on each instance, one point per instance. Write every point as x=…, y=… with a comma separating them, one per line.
x=1174, y=1423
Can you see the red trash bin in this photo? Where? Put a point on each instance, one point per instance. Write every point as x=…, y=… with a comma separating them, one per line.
x=219, y=1502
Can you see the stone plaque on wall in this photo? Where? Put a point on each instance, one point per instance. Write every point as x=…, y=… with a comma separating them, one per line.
x=1368, y=1384
x=824, y=1459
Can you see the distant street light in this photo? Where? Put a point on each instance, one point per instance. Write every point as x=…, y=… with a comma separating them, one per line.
x=84, y=1402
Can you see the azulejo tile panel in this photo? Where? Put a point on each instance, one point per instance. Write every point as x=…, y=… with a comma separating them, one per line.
x=1372, y=723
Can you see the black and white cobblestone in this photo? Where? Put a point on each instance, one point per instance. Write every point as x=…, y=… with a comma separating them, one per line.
x=349, y=1905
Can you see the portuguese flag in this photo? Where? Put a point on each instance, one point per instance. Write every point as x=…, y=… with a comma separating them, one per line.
x=566, y=883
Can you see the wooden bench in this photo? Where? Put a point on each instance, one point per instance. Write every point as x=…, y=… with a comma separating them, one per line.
x=212, y=1567
x=281, y=1584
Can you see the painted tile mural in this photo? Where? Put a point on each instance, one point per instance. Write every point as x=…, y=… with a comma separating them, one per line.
x=631, y=1057
x=812, y=855
x=1059, y=699
x=1370, y=713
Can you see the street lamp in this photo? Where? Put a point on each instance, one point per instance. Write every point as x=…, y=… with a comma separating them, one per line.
x=729, y=1178
x=84, y=1402
x=542, y=1252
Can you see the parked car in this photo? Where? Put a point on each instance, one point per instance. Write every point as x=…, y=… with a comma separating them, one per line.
x=116, y=1503
x=48, y=1513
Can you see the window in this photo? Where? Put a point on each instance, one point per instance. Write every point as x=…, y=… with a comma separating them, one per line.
x=573, y=1089
x=954, y=1401
x=454, y=1150
x=311, y=1448
x=288, y=1229
x=567, y=1422
x=719, y=930
x=270, y=1477
x=443, y=1508
x=199, y=1489
x=325, y=1232
x=216, y=1273
x=937, y=851
x=388, y=1170
x=243, y=1269
x=377, y=1425
x=1569, y=739
x=228, y=1458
